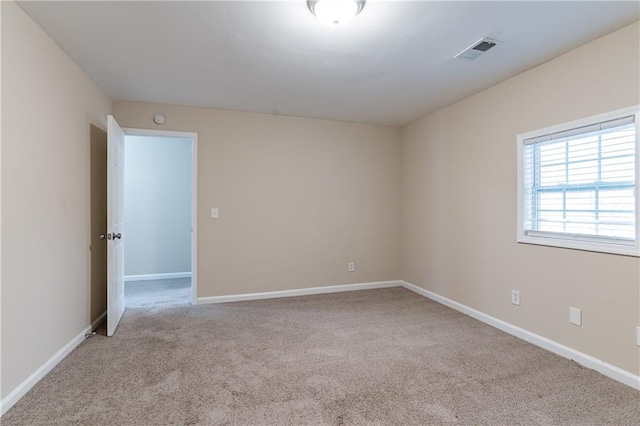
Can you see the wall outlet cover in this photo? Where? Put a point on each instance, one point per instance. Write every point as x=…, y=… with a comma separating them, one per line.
x=515, y=297
x=575, y=316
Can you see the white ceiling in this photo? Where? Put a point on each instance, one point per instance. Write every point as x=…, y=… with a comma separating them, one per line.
x=392, y=64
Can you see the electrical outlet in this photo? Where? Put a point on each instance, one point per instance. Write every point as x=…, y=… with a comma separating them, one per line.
x=352, y=266
x=515, y=297
x=638, y=336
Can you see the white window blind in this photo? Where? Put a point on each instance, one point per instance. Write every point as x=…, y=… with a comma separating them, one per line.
x=580, y=183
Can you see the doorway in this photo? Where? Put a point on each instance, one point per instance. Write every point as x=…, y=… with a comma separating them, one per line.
x=159, y=218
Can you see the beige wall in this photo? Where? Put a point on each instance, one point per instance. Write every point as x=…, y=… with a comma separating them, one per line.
x=49, y=105
x=459, y=205
x=298, y=198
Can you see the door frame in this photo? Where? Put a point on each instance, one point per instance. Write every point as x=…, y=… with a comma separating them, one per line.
x=194, y=193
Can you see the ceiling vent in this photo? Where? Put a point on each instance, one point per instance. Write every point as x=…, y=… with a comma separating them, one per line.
x=478, y=48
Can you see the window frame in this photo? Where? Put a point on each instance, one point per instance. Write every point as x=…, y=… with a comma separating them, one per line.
x=587, y=243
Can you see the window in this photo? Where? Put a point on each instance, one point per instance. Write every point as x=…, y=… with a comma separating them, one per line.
x=577, y=184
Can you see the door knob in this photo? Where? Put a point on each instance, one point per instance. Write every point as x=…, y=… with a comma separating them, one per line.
x=110, y=236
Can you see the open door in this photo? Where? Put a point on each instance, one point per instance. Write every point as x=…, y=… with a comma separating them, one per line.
x=115, y=201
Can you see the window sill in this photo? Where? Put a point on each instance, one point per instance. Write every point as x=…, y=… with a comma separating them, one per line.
x=570, y=243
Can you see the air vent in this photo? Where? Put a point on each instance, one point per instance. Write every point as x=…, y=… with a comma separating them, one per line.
x=478, y=48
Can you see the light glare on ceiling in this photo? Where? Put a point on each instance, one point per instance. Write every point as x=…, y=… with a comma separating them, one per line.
x=335, y=13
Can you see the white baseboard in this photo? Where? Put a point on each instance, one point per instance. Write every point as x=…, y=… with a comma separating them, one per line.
x=298, y=292
x=148, y=277
x=45, y=368
x=588, y=361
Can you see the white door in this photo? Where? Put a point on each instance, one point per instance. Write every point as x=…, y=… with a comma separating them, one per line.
x=115, y=201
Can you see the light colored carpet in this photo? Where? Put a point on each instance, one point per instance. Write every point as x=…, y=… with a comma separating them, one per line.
x=377, y=357
x=142, y=294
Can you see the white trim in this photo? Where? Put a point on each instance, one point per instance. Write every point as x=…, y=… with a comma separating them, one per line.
x=581, y=122
x=194, y=218
x=588, y=361
x=148, y=277
x=45, y=368
x=194, y=194
x=610, y=246
x=298, y=292
x=32, y=380
x=550, y=240
x=131, y=131
x=581, y=358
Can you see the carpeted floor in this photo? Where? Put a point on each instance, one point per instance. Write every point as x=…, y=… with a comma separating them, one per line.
x=149, y=293
x=378, y=357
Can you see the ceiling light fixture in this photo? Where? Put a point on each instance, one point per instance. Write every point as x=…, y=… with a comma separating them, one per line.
x=335, y=13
